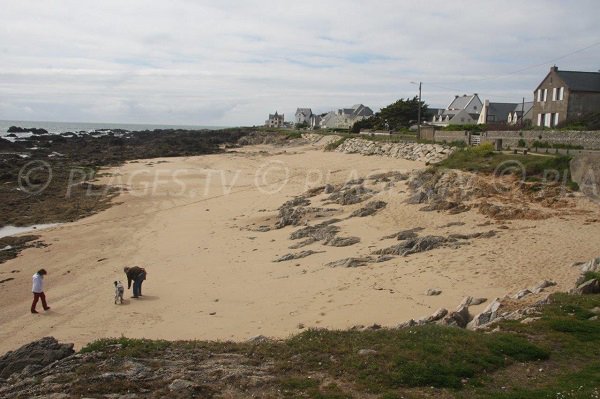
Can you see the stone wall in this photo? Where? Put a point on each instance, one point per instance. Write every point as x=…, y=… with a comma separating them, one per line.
x=448, y=137
x=587, y=139
x=429, y=153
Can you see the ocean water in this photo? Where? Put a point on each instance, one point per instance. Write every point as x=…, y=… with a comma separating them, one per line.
x=62, y=127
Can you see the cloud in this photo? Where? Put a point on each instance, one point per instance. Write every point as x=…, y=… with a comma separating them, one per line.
x=233, y=62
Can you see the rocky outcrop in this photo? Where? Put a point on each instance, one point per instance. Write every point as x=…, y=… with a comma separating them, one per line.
x=299, y=255
x=350, y=262
x=342, y=241
x=587, y=288
x=427, y=243
x=369, y=209
x=428, y=153
x=31, y=358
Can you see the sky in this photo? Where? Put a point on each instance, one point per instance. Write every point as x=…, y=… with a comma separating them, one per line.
x=231, y=63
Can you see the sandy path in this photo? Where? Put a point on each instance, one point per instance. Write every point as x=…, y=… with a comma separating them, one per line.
x=186, y=219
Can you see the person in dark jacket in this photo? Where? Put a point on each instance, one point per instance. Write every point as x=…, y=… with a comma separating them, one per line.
x=137, y=275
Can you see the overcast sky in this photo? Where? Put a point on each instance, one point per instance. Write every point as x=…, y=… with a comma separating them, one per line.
x=233, y=62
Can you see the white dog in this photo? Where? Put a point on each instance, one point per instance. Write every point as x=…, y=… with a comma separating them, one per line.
x=119, y=291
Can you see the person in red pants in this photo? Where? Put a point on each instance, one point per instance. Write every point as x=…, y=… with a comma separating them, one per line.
x=38, y=290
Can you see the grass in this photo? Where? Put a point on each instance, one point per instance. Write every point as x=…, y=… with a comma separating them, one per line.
x=447, y=362
x=483, y=159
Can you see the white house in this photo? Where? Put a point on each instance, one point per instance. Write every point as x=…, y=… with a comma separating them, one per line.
x=303, y=115
x=344, y=118
x=463, y=110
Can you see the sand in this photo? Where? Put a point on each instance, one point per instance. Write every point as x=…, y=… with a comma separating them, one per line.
x=189, y=222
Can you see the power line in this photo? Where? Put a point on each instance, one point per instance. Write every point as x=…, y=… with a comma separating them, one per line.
x=529, y=66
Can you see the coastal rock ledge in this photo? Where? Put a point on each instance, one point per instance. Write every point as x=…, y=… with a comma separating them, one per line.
x=428, y=153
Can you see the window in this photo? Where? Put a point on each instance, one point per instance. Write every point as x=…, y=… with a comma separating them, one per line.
x=540, y=119
x=548, y=120
x=552, y=118
x=561, y=94
x=554, y=94
x=539, y=95
x=556, y=119
x=545, y=95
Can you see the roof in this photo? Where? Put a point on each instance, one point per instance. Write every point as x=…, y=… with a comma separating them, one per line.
x=581, y=81
x=519, y=107
x=304, y=111
x=501, y=110
x=461, y=102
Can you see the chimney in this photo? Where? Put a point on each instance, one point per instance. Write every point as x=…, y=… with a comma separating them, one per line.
x=554, y=68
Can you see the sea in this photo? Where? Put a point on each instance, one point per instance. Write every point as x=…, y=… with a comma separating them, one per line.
x=75, y=127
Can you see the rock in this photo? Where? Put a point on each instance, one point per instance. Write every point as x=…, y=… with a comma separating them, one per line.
x=407, y=324
x=487, y=316
x=521, y=294
x=529, y=320
x=405, y=234
x=342, y=241
x=593, y=318
x=478, y=301
x=383, y=258
x=350, y=262
x=328, y=189
x=259, y=339
x=438, y=315
x=180, y=385
x=596, y=310
x=433, y=292
x=591, y=266
x=415, y=245
x=299, y=255
x=352, y=195
x=543, y=284
x=35, y=355
x=369, y=209
x=303, y=243
x=367, y=352
x=587, y=288
x=319, y=232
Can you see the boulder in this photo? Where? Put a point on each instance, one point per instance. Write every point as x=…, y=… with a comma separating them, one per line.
x=349, y=262
x=544, y=284
x=487, y=316
x=369, y=209
x=521, y=294
x=34, y=356
x=433, y=292
x=342, y=241
x=587, y=288
x=591, y=266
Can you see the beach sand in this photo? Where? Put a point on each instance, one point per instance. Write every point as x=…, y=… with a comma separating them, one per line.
x=189, y=222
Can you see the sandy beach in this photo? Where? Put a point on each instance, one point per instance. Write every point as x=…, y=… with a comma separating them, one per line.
x=192, y=223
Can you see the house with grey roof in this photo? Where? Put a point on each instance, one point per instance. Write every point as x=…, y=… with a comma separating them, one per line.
x=303, y=115
x=522, y=114
x=565, y=95
x=463, y=110
x=344, y=118
x=495, y=113
x=275, y=120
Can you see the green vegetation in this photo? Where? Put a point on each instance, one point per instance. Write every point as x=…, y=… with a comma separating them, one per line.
x=483, y=159
x=396, y=117
x=558, y=354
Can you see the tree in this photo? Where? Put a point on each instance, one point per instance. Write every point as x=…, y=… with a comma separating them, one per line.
x=396, y=116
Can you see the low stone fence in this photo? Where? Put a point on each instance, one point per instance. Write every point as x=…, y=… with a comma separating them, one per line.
x=587, y=139
x=429, y=153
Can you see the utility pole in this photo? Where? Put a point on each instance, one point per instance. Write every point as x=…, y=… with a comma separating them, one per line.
x=522, y=113
x=419, y=114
